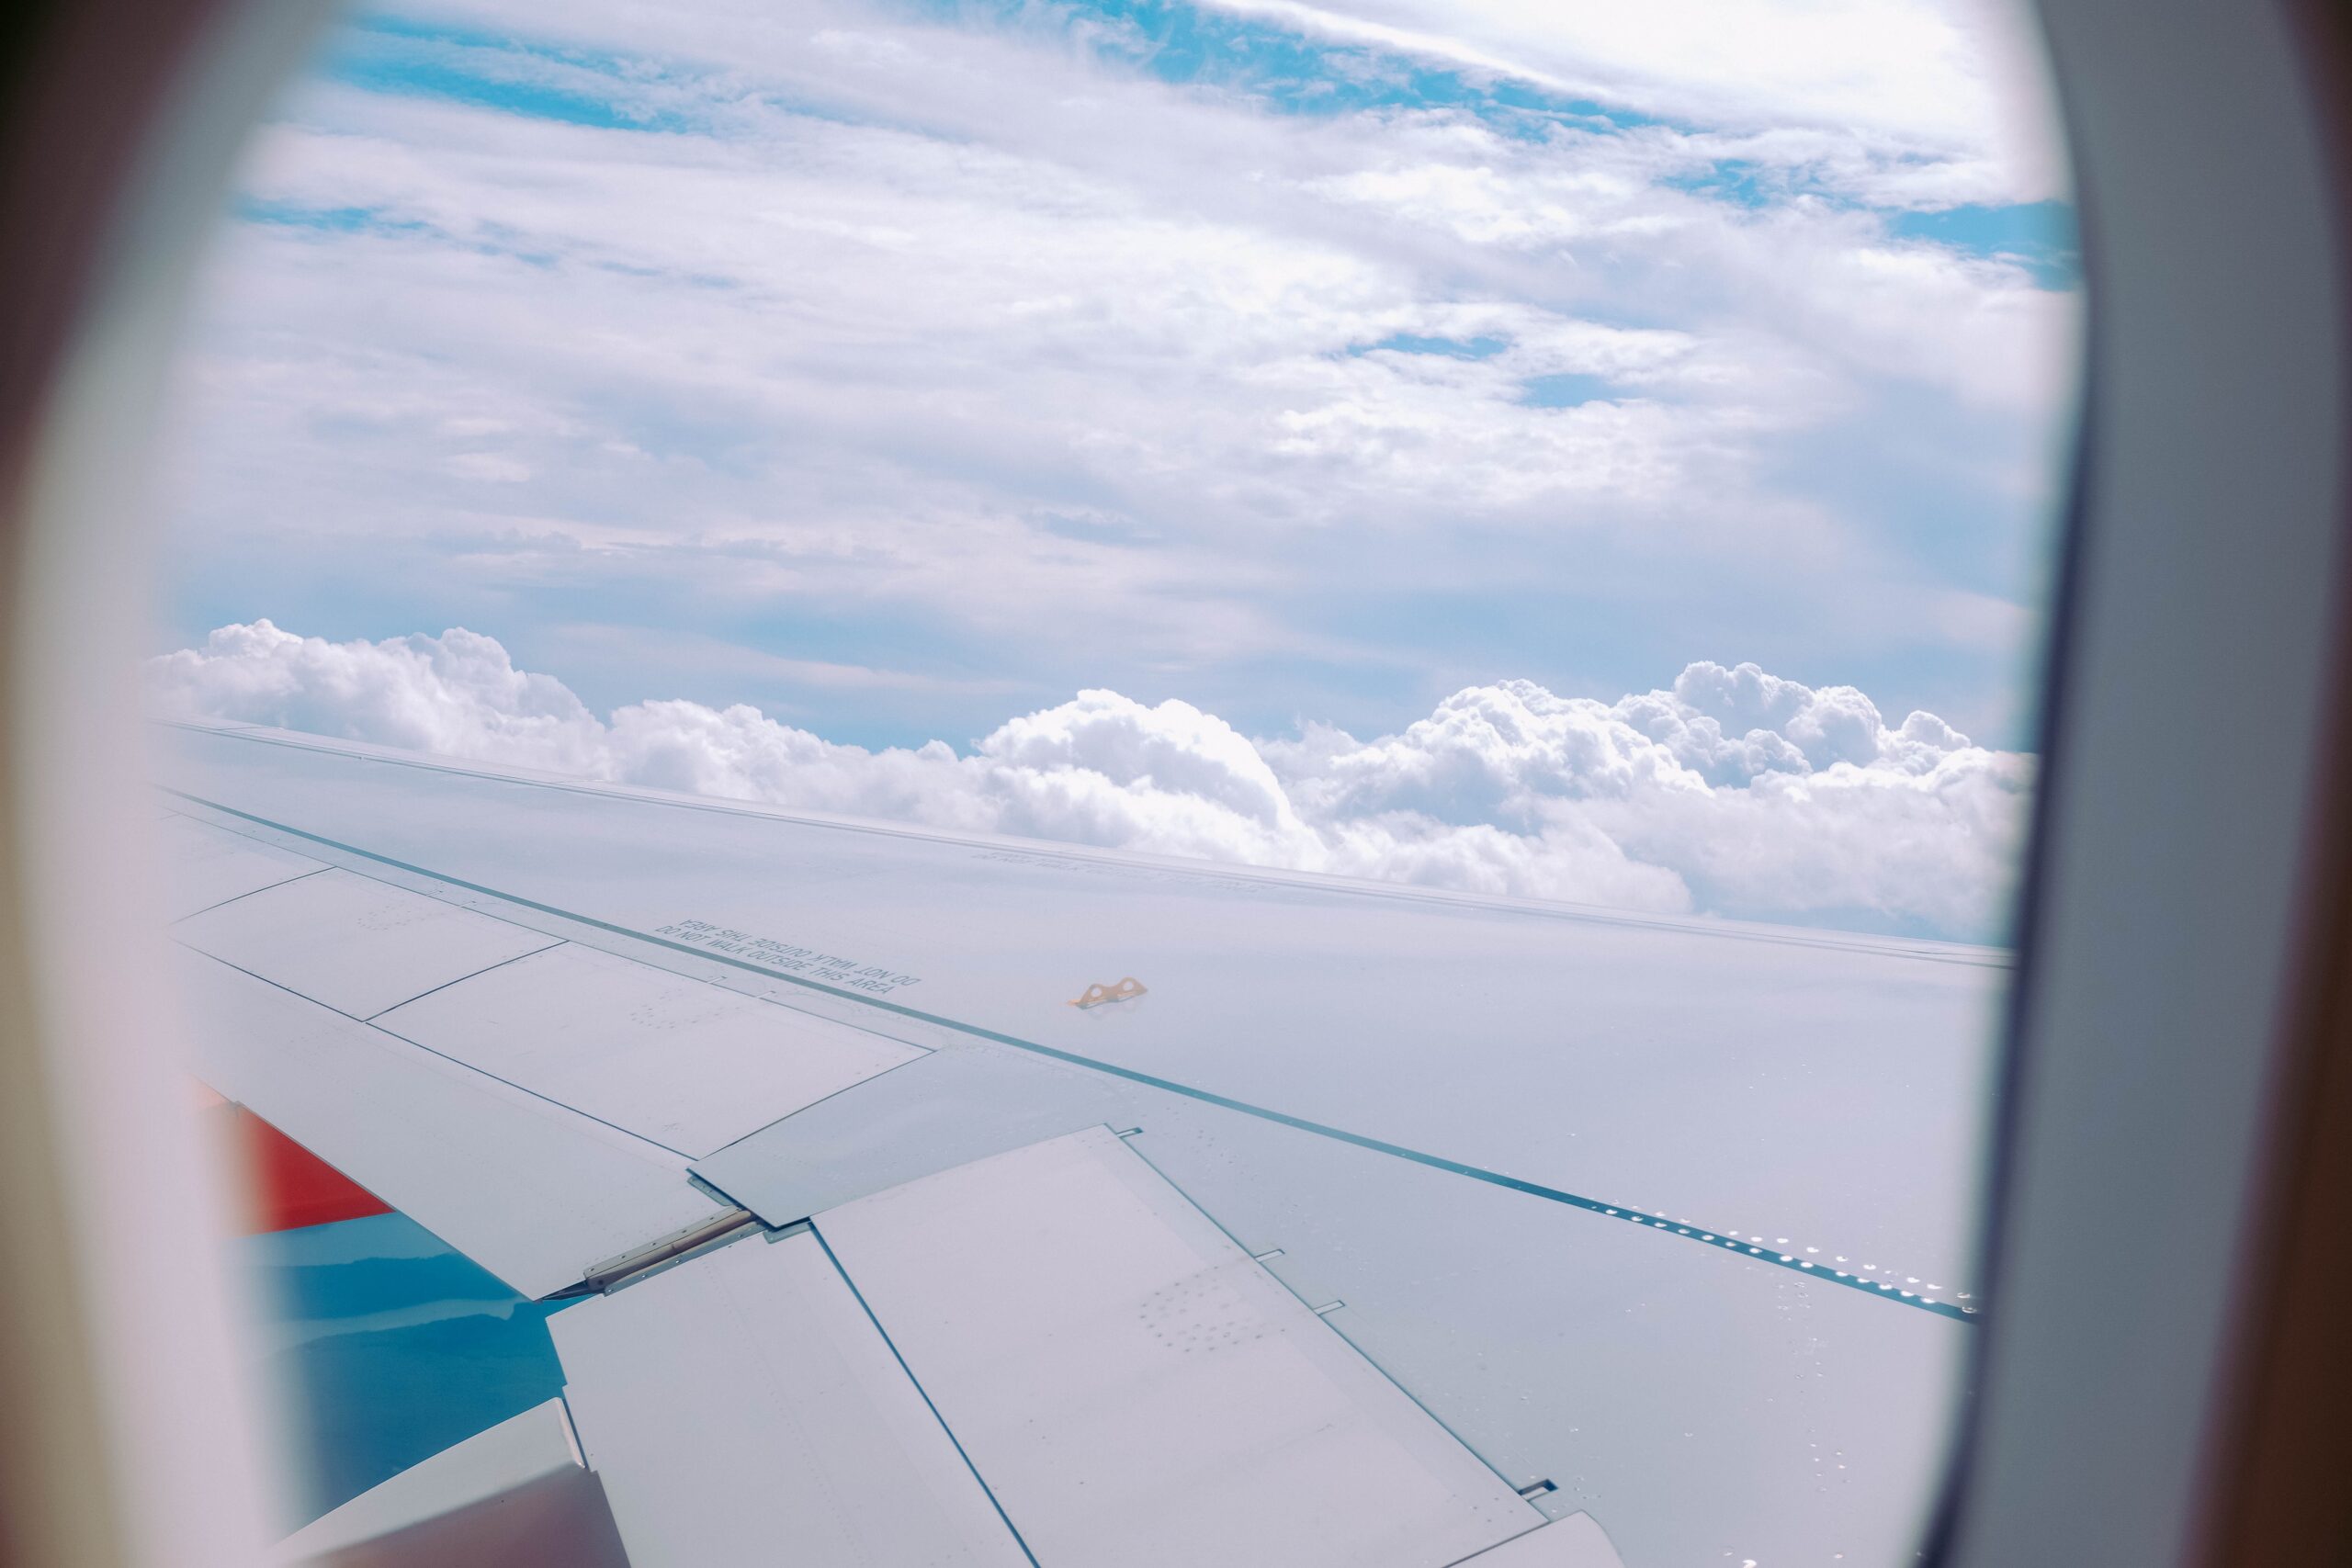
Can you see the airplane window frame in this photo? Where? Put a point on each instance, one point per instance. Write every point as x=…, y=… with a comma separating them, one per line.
x=2176, y=1013
x=2170, y=1011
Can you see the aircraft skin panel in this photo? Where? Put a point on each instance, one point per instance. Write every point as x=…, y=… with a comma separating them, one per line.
x=1137, y=1391
x=958, y=1104
x=517, y=1495
x=536, y=1193
x=1576, y=1541
x=686, y=1064
x=742, y=1409
x=357, y=944
x=204, y=866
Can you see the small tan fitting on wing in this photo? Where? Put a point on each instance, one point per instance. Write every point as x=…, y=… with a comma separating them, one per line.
x=1125, y=991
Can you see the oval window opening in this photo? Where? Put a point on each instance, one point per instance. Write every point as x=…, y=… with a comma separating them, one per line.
x=1316, y=719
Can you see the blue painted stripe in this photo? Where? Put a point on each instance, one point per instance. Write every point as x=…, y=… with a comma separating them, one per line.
x=1752, y=1250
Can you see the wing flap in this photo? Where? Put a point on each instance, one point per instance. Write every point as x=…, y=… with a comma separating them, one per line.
x=744, y=1403
x=1575, y=1541
x=1136, y=1390
x=688, y=1064
x=204, y=866
x=516, y=1494
x=536, y=1193
x=353, y=943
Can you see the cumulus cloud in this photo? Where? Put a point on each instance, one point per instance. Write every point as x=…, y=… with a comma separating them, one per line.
x=1731, y=792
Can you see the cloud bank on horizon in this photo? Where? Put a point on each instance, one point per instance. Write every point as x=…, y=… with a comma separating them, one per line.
x=1731, y=792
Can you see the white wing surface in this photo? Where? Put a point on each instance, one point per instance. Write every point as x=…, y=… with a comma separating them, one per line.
x=1137, y=1389
x=1047, y=1356
x=1670, y=1221
x=582, y=1027
x=210, y=866
x=353, y=943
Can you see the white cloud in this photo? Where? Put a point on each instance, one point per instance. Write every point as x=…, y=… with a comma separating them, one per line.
x=1732, y=792
x=912, y=326
x=1947, y=82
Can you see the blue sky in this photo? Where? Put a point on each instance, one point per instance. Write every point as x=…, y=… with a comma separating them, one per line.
x=900, y=369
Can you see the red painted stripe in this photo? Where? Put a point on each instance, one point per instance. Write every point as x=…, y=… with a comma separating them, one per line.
x=288, y=1187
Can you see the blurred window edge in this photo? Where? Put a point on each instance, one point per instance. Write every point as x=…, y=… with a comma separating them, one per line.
x=2177, y=1059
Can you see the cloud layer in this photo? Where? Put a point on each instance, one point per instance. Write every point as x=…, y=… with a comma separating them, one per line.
x=1251, y=342
x=1732, y=792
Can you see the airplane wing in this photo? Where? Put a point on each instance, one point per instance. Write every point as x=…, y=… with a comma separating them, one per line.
x=947, y=1200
